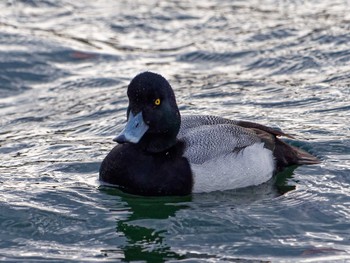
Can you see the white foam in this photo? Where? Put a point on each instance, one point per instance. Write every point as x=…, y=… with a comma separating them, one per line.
x=252, y=166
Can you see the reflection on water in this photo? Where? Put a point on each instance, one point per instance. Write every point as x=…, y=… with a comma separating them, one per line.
x=143, y=226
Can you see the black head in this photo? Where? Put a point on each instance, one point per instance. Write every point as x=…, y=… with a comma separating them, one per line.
x=153, y=116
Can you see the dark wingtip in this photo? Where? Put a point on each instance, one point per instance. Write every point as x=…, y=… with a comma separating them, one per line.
x=287, y=155
x=306, y=158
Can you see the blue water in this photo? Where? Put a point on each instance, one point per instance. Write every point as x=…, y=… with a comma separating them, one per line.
x=64, y=68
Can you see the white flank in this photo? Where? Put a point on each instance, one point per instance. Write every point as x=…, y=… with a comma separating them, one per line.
x=252, y=166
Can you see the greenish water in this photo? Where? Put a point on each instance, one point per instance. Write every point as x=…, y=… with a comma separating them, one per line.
x=64, y=68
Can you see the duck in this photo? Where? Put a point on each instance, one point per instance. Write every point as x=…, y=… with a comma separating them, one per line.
x=161, y=153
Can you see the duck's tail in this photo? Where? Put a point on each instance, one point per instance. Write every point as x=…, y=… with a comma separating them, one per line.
x=287, y=155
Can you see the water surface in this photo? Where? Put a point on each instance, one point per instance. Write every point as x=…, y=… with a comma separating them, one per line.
x=64, y=69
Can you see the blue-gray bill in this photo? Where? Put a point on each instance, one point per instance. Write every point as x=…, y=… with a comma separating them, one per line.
x=134, y=129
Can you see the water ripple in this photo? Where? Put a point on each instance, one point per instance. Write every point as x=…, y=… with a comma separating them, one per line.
x=203, y=56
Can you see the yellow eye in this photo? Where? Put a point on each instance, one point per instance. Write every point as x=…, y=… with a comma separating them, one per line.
x=157, y=102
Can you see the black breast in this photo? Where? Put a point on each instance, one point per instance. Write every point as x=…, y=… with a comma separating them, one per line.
x=142, y=173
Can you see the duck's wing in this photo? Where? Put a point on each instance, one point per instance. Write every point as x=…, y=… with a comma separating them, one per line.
x=191, y=121
x=273, y=131
x=205, y=142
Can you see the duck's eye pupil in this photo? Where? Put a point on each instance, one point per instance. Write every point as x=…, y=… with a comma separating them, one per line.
x=157, y=102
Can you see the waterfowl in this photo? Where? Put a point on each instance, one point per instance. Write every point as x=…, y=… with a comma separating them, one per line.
x=161, y=153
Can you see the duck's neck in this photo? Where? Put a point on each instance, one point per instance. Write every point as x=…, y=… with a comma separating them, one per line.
x=158, y=144
x=164, y=137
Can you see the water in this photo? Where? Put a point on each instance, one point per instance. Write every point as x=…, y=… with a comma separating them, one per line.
x=64, y=69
